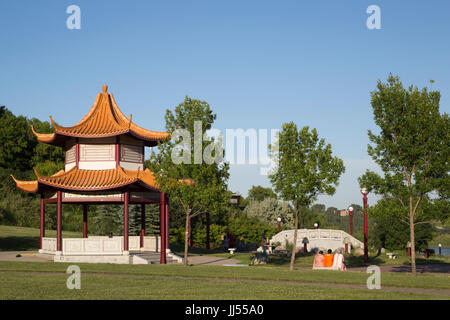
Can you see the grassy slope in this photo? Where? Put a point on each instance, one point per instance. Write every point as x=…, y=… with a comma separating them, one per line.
x=437, y=281
x=53, y=286
x=26, y=239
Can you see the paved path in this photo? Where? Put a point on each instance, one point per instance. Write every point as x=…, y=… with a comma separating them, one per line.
x=28, y=256
x=421, y=268
x=210, y=261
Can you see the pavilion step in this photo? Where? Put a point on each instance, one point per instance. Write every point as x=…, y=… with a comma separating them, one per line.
x=150, y=258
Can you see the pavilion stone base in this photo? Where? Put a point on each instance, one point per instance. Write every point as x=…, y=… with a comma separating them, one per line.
x=101, y=249
x=123, y=259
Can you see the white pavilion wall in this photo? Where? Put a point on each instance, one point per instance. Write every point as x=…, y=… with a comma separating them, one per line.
x=100, y=154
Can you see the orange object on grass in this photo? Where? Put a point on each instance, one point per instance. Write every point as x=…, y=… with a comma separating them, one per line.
x=328, y=260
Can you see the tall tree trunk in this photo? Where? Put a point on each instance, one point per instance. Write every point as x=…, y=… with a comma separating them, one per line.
x=186, y=237
x=413, y=242
x=294, y=247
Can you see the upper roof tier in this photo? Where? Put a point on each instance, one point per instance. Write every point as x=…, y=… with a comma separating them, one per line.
x=103, y=120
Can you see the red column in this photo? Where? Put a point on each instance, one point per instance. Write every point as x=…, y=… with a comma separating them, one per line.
x=42, y=226
x=346, y=248
x=162, y=227
x=167, y=223
x=117, y=151
x=142, y=224
x=351, y=222
x=279, y=226
x=77, y=154
x=125, y=220
x=207, y=231
x=59, y=221
x=85, y=218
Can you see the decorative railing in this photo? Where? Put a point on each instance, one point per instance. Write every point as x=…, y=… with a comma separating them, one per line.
x=317, y=237
x=100, y=245
x=48, y=245
x=93, y=246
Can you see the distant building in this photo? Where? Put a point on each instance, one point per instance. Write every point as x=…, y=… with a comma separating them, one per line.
x=235, y=199
x=343, y=213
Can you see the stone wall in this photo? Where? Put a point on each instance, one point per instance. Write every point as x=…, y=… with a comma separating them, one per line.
x=319, y=239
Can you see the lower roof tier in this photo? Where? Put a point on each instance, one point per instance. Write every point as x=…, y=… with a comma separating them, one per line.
x=91, y=180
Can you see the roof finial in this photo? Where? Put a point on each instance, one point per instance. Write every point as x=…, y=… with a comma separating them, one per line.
x=105, y=88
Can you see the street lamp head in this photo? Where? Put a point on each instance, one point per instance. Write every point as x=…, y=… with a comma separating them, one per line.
x=279, y=219
x=364, y=191
x=350, y=209
x=440, y=245
x=316, y=225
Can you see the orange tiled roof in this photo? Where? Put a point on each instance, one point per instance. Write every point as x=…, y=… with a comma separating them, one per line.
x=90, y=180
x=104, y=119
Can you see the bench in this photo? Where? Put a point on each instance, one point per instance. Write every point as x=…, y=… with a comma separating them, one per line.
x=231, y=250
x=269, y=248
x=392, y=255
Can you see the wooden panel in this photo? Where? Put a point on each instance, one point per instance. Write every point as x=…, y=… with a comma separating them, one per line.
x=130, y=153
x=97, y=152
x=71, y=154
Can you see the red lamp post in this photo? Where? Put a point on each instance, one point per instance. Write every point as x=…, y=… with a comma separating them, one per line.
x=279, y=224
x=350, y=212
x=346, y=241
x=364, y=192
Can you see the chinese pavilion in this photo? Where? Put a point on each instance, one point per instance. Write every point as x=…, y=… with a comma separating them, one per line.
x=104, y=164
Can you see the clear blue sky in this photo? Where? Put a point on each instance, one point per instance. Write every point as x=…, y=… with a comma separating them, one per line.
x=257, y=63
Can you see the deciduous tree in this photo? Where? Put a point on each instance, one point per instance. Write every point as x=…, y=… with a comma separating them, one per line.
x=412, y=149
x=198, y=187
x=305, y=169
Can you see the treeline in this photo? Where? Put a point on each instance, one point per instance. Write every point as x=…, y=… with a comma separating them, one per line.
x=20, y=152
x=257, y=214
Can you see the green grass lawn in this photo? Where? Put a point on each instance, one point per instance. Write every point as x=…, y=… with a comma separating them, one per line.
x=47, y=280
x=42, y=280
x=436, y=281
x=53, y=286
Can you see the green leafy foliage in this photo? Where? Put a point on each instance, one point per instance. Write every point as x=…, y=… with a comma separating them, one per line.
x=269, y=210
x=412, y=149
x=260, y=193
x=17, y=144
x=386, y=231
x=19, y=152
x=306, y=168
x=199, y=187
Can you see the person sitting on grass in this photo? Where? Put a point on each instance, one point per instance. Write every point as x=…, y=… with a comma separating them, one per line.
x=340, y=260
x=318, y=259
x=328, y=259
